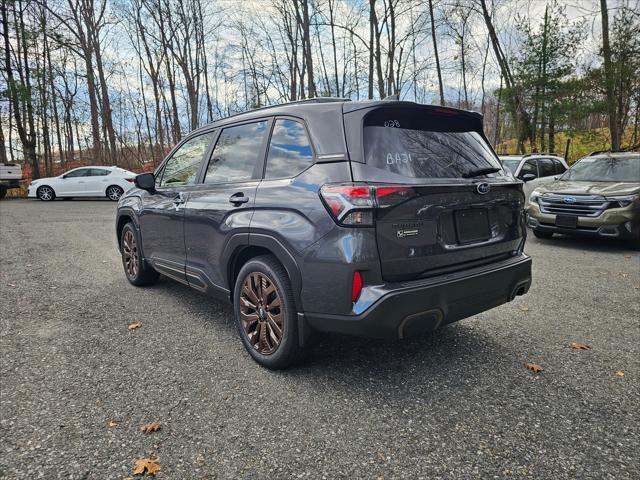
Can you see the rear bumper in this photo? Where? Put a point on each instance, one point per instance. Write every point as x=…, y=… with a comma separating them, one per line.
x=411, y=308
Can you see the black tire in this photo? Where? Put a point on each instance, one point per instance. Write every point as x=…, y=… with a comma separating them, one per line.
x=137, y=271
x=46, y=193
x=3, y=192
x=288, y=350
x=541, y=234
x=114, y=193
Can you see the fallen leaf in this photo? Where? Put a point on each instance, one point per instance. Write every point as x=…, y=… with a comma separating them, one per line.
x=524, y=308
x=113, y=423
x=624, y=275
x=627, y=256
x=579, y=346
x=150, y=427
x=12, y=284
x=619, y=373
x=146, y=464
x=133, y=326
x=534, y=367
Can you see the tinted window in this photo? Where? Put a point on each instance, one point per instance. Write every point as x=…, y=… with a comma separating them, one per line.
x=99, y=172
x=529, y=167
x=236, y=154
x=419, y=145
x=182, y=167
x=559, y=167
x=546, y=167
x=290, y=151
x=81, y=172
x=605, y=169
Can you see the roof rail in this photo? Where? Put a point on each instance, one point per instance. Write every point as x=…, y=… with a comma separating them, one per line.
x=540, y=153
x=598, y=152
x=295, y=102
x=630, y=148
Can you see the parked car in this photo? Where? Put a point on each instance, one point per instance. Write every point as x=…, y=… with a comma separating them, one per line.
x=99, y=181
x=376, y=218
x=534, y=169
x=598, y=196
x=10, y=176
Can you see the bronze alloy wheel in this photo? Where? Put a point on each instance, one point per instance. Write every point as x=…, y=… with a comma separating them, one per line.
x=261, y=313
x=130, y=253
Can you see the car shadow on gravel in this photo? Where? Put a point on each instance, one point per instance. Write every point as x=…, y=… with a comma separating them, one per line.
x=453, y=355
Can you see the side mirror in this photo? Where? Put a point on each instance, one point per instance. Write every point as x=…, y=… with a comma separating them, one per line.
x=145, y=181
x=527, y=177
x=64, y=176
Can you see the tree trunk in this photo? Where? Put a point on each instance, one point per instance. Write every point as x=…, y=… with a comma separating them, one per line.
x=515, y=100
x=609, y=78
x=435, y=49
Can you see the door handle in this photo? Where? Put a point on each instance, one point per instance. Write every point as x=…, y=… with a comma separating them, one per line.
x=238, y=198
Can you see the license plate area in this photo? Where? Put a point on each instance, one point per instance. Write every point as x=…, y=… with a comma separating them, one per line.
x=472, y=225
x=567, y=221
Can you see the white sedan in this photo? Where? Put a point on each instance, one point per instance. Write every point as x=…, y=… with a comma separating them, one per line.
x=110, y=182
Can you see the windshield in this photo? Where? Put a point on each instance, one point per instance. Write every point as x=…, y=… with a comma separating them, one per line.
x=511, y=164
x=427, y=146
x=605, y=169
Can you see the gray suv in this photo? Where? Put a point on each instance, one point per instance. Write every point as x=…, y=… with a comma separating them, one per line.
x=375, y=218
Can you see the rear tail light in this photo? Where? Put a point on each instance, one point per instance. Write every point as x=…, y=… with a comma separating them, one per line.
x=356, y=286
x=130, y=180
x=349, y=204
x=353, y=204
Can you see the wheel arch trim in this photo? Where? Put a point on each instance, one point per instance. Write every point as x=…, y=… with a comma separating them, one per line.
x=241, y=241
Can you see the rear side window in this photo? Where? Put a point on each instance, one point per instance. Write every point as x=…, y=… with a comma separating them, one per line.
x=99, y=172
x=237, y=152
x=289, y=151
x=418, y=144
x=182, y=167
x=546, y=167
x=559, y=167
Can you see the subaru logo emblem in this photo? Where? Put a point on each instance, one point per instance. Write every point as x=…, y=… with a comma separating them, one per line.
x=483, y=188
x=569, y=199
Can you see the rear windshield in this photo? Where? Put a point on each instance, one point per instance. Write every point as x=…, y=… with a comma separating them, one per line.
x=419, y=144
x=605, y=169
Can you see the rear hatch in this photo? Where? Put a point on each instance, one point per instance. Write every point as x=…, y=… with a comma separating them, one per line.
x=443, y=201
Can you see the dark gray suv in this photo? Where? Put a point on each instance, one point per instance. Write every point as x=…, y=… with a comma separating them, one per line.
x=375, y=218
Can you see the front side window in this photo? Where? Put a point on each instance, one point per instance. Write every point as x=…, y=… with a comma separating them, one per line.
x=237, y=152
x=529, y=168
x=417, y=145
x=182, y=167
x=289, y=151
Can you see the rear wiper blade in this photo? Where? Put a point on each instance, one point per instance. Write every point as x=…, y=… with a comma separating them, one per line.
x=481, y=171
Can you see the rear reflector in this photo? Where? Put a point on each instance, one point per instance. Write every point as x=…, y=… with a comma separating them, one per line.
x=356, y=286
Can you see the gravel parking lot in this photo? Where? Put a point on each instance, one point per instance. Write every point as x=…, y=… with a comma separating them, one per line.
x=455, y=404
